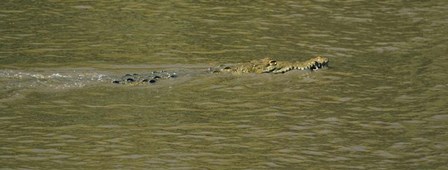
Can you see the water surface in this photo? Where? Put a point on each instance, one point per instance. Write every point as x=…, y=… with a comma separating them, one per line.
x=381, y=104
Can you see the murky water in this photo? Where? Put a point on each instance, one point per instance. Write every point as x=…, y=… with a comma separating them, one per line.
x=381, y=105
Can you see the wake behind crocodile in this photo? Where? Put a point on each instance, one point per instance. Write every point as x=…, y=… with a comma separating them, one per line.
x=142, y=75
x=76, y=77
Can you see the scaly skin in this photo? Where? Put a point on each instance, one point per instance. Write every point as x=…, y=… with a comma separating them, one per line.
x=268, y=65
x=150, y=78
x=311, y=64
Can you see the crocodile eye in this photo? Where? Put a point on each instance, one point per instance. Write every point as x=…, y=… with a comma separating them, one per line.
x=272, y=62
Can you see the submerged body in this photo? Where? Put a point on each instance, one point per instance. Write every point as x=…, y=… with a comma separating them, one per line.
x=149, y=78
x=265, y=65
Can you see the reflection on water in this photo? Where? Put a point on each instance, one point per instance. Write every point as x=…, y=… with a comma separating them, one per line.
x=381, y=104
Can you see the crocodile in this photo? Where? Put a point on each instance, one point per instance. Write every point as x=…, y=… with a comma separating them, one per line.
x=268, y=65
x=265, y=65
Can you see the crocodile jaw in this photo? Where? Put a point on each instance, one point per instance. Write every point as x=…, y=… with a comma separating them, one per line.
x=311, y=64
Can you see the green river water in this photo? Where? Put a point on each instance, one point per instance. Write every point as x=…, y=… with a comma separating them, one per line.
x=380, y=105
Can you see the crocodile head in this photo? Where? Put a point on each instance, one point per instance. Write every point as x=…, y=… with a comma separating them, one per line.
x=311, y=64
x=268, y=65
